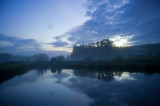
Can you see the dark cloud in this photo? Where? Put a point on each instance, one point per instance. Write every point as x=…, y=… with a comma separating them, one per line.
x=59, y=44
x=121, y=17
x=19, y=46
x=16, y=45
x=63, y=41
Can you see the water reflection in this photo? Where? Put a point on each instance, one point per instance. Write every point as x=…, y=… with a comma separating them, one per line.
x=101, y=75
x=81, y=88
x=44, y=90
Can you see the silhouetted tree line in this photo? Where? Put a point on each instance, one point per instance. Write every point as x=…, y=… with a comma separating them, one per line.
x=100, y=50
x=57, y=59
x=5, y=57
x=106, y=49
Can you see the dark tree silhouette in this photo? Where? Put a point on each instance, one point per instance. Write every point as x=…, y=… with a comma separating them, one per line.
x=107, y=49
x=57, y=59
x=5, y=57
x=41, y=57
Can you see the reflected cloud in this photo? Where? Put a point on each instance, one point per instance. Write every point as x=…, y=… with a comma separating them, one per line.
x=124, y=76
x=29, y=77
x=45, y=86
x=81, y=87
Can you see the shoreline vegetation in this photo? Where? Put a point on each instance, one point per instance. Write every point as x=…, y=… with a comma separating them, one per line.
x=145, y=64
x=117, y=62
x=102, y=55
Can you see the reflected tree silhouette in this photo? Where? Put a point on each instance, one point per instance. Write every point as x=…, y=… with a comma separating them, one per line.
x=99, y=74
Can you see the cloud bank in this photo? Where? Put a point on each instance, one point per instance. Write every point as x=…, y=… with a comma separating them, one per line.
x=128, y=22
x=139, y=20
x=16, y=46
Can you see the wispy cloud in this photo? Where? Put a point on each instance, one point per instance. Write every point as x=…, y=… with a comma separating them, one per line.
x=61, y=43
x=50, y=47
x=5, y=44
x=140, y=18
x=15, y=45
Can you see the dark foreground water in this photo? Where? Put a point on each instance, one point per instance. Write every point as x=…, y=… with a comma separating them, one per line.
x=69, y=87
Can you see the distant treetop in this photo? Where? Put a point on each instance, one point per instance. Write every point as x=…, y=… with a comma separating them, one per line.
x=102, y=43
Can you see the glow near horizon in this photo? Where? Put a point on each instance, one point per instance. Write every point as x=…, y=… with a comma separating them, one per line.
x=121, y=41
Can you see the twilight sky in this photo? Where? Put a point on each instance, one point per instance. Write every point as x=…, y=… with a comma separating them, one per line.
x=54, y=26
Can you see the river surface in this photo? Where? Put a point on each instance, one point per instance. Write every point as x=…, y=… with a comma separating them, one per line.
x=71, y=87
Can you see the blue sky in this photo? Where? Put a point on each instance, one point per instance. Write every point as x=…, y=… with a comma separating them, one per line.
x=54, y=26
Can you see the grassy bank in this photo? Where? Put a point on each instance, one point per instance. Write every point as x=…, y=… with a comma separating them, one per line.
x=116, y=63
x=149, y=65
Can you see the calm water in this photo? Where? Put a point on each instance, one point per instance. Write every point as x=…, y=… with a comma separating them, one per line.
x=69, y=87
